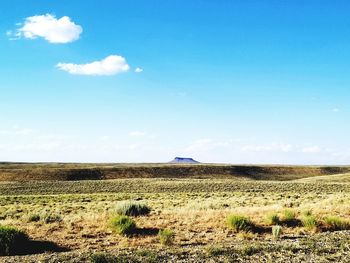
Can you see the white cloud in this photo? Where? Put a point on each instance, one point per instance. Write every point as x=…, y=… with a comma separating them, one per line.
x=206, y=145
x=16, y=130
x=138, y=70
x=47, y=146
x=311, y=149
x=104, y=138
x=136, y=134
x=133, y=146
x=13, y=36
x=335, y=110
x=199, y=145
x=110, y=65
x=24, y=131
x=273, y=147
x=62, y=30
x=19, y=143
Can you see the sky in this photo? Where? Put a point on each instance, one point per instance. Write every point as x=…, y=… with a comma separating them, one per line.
x=263, y=82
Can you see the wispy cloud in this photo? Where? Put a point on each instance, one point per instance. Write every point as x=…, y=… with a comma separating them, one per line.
x=206, y=144
x=16, y=130
x=110, y=65
x=311, y=149
x=137, y=134
x=62, y=30
x=133, y=146
x=139, y=70
x=240, y=146
x=272, y=147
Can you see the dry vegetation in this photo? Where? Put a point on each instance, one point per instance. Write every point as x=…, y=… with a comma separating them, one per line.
x=75, y=171
x=75, y=215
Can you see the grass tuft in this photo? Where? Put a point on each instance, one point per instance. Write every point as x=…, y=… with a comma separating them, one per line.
x=336, y=223
x=166, y=237
x=129, y=208
x=276, y=232
x=272, y=219
x=309, y=222
x=52, y=218
x=122, y=225
x=290, y=218
x=239, y=223
x=33, y=218
x=289, y=215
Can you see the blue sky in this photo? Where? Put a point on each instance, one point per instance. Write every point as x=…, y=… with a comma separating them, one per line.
x=219, y=81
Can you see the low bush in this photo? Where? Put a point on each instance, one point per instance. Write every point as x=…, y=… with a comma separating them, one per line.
x=166, y=237
x=336, y=223
x=272, y=219
x=309, y=222
x=122, y=225
x=240, y=223
x=276, y=232
x=12, y=240
x=290, y=218
x=129, y=208
x=289, y=215
x=52, y=218
x=33, y=218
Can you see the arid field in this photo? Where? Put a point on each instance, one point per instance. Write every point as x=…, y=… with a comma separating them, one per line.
x=213, y=213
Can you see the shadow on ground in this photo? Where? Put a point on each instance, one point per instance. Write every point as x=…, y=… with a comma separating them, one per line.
x=37, y=247
x=147, y=231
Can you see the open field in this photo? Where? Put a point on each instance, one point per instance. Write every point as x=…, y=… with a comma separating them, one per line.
x=71, y=218
x=335, y=178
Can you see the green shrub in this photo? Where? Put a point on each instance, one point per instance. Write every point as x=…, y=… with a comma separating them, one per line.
x=132, y=209
x=51, y=218
x=122, y=225
x=276, y=232
x=289, y=215
x=272, y=219
x=12, y=240
x=166, y=237
x=290, y=218
x=337, y=223
x=309, y=222
x=239, y=223
x=33, y=218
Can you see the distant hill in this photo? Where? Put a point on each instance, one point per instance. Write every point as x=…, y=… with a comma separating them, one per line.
x=183, y=160
x=102, y=171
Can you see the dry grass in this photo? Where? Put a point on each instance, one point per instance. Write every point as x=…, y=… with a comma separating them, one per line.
x=334, y=178
x=199, y=218
x=196, y=209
